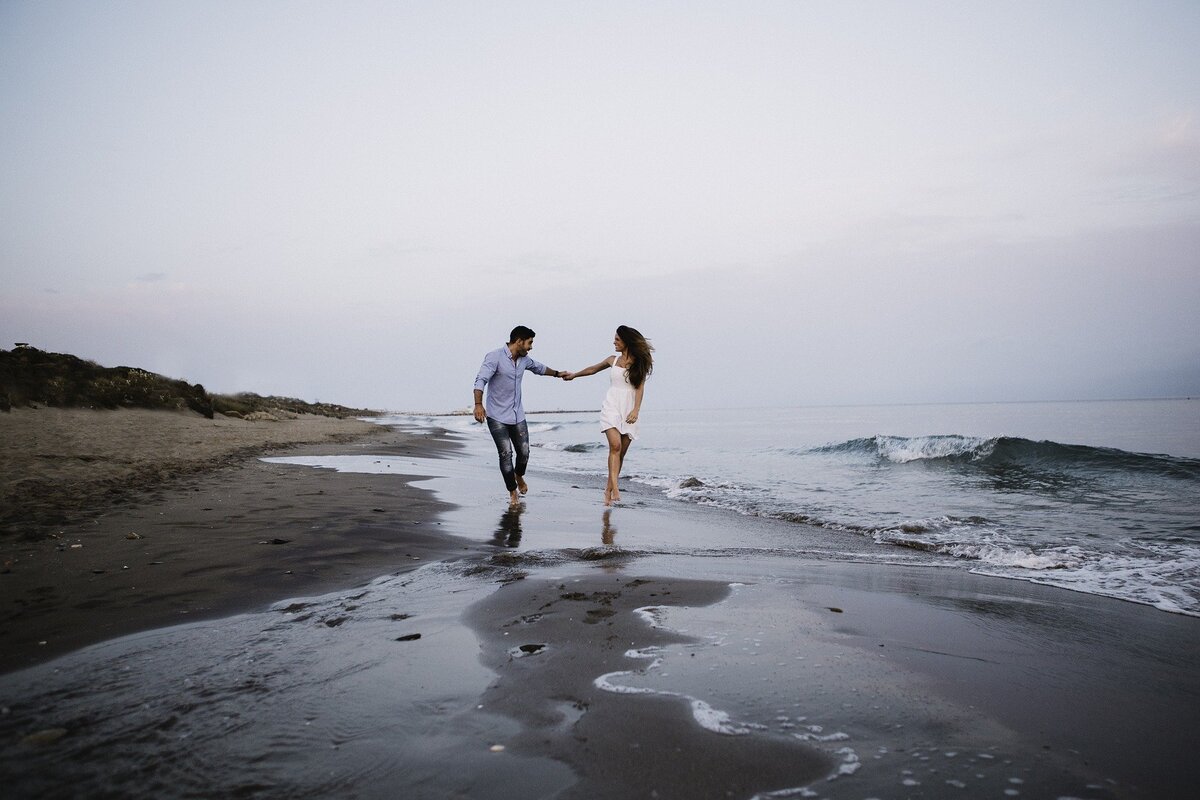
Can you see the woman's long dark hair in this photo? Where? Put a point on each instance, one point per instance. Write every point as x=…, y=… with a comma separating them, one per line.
x=638, y=349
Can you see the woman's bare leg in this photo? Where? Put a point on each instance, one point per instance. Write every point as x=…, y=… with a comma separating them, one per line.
x=625, y=442
x=611, y=492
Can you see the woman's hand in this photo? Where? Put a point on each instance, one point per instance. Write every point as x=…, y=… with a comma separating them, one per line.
x=567, y=376
x=632, y=418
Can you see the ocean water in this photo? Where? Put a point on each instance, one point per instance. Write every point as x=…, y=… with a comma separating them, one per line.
x=1097, y=497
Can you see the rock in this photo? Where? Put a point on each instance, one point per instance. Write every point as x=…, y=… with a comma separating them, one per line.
x=131, y=535
x=526, y=650
x=691, y=483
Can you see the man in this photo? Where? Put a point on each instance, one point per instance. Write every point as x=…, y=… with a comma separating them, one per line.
x=502, y=372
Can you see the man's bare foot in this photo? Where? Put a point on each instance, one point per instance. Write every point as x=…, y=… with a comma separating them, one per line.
x=514, y=499
x=521, y=486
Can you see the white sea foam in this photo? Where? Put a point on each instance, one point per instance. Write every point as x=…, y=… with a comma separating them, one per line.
x=798, y=791
x=705, y=715
x=651, y=615
x=605, y=684
x=850, y=762
x=716, y=721
x=975, y=544
x=819, y=737
x=1159, y=577
x=902, y=450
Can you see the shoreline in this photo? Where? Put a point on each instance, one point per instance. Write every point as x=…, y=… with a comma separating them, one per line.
x=201, y=534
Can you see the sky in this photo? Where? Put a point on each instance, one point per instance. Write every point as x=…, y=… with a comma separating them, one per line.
x=798, y=203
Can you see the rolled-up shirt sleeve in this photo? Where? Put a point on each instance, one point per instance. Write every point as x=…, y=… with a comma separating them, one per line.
x=486, y=370
x=538, y=368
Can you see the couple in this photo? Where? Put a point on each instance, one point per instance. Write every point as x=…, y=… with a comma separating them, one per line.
x=501, y=374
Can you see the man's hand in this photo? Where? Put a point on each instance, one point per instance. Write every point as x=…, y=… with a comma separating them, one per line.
x=567, y=376
x=480, y=414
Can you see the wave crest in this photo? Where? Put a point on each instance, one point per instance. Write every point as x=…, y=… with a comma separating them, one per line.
x=1008, y=450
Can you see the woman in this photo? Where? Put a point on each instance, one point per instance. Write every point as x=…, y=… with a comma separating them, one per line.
x=619, y=415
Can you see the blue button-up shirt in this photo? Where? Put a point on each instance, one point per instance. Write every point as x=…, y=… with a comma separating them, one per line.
x=502, y=377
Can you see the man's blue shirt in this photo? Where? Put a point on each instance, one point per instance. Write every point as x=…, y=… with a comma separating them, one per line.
x=502, y=377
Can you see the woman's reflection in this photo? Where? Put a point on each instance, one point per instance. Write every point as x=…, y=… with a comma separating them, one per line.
x=508, y=533
x=607, y=531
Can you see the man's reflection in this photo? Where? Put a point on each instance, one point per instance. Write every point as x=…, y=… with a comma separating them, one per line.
x=508, y=533
x=607, y=531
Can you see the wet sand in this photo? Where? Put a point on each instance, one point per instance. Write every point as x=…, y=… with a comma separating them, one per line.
x=550, y=640
x=563, y=651
x=893, y=680
x=121, y=521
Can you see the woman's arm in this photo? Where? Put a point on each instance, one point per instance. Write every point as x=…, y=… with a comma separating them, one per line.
x=592, y=370
x=637, y=403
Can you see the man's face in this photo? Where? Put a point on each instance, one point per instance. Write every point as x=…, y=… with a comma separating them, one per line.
x=523, y=346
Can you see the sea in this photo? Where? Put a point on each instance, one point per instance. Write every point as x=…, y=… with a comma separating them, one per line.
x=1097, y=497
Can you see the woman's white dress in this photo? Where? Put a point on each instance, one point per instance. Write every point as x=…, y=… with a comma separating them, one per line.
x=618, y=402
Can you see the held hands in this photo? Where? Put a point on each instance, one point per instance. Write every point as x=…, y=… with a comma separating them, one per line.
x=567, y=376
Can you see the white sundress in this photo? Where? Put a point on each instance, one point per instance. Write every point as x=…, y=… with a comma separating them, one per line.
x=618, y=402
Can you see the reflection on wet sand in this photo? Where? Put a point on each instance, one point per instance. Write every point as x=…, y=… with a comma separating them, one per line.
x=508, y=532
x=607, y=530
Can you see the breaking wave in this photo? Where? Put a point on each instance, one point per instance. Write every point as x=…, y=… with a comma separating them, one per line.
x=1006, y=451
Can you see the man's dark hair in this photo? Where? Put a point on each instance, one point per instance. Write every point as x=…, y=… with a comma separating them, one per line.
x=520, y=332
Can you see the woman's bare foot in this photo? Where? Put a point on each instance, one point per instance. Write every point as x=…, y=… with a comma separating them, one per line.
x=521, y=486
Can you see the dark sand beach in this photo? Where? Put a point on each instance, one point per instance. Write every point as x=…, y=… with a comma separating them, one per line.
x=120, y=521
x=412, y=638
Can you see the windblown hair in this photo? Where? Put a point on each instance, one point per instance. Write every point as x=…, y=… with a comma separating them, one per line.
x=520, y=332
x=638, y=348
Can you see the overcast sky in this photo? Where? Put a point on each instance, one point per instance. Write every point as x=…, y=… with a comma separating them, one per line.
x=797, y=202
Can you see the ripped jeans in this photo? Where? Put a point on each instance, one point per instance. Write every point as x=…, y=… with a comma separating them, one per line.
x=508, y=438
